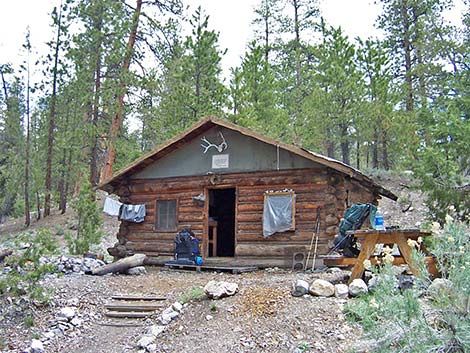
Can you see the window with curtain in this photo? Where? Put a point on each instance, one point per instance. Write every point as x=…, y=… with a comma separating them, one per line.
x=166, y=215
x=279, y=212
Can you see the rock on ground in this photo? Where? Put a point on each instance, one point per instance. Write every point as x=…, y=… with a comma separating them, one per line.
x=341, y=291
x=357, y=287
x=300, y=288
x=322, y=288
x=217, y=290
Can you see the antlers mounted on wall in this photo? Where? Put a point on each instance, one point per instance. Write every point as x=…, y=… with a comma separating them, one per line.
x=220, y=147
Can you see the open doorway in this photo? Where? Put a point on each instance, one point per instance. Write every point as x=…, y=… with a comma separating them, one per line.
x=221, y=237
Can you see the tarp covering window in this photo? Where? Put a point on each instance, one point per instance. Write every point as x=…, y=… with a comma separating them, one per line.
x=278, y=214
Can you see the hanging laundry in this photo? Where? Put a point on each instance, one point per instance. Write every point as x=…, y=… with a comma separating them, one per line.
x=132, y=213
x=111, y=206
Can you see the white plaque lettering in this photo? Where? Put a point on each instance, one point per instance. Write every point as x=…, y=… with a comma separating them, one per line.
x=219, y=161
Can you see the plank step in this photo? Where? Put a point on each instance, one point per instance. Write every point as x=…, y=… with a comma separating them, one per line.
x=126, y=306
x=235, y=270
x=130, y=314
x=136, y=297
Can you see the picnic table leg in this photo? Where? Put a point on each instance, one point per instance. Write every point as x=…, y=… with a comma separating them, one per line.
x=367, y=249
x=405, y=251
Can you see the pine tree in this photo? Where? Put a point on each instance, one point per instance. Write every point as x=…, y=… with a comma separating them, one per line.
x=89, y=221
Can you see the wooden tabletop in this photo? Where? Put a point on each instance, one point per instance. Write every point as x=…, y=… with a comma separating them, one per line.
x=408, y=233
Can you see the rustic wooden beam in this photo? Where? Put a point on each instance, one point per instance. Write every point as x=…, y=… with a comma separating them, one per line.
x=120, y=265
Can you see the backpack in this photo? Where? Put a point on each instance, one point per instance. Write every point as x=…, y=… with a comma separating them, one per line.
x=183, y=245
x=353, y=219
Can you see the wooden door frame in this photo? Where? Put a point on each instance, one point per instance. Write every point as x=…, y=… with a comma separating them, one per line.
x=205, y=235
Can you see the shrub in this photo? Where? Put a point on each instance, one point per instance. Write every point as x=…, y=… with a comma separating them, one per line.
x=195, y=293
x=89, y=222
x=26, y=266
x=405, y=321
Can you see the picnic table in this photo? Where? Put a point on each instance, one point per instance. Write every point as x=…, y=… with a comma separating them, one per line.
x=371, y=237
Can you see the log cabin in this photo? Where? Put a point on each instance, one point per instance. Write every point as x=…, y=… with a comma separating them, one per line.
x=232, y=187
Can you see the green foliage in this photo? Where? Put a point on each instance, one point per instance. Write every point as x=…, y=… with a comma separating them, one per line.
x=304, y=346
x=443, y=166
x=403, y=321
x=89, y=221
x=26, y=266
x=213, y=307
x=196, y=293
x=29, y=321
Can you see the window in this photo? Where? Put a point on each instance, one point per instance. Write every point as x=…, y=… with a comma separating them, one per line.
x=166, y=215
x=279, y=212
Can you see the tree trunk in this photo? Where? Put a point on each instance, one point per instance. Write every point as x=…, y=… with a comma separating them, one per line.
x=358, y=155
x=27, y=214
x=94, y=175
x=121, y=265
x=407, y=50
x=266, y=32
x=38, y=206
x=50, y=135
x=344, y=144
x=375, y=149
x=385, y=160
x=116, y=123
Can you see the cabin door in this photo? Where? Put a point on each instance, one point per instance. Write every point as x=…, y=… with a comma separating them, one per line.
x=221, y=223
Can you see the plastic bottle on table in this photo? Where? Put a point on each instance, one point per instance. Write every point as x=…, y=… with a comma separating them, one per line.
x=379, y=221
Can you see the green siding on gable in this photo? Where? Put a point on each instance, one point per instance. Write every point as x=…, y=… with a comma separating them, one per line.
x=246, y=154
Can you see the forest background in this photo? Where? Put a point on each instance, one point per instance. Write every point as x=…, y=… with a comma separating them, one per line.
x=394, y=103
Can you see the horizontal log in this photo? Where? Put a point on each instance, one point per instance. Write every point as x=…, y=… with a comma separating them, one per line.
x=137, y=297
x=120, y=265
x=272, y=249
x=148, y=236
x=130, y=315
x=284, y=237
x=151, y=246
x=127, y=307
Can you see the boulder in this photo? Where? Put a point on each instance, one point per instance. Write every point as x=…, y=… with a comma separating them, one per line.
x=357, y=287
x=146, y=341
x=37, y=346
x=135, y=271
x=300, y=288
x=155, y=330
x=67, y=313
x=440, y=287
x=322, y=288
x=217, y=290
x=341, y=291
x=177, y=306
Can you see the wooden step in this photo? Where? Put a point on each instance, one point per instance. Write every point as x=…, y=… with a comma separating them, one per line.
x=136, y=297
x=234, y=269
x=129, y=314
x=126, y=306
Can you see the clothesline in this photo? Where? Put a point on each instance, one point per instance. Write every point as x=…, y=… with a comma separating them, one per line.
x=125, y=212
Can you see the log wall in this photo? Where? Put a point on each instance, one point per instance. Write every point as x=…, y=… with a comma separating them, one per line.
x=314, y=188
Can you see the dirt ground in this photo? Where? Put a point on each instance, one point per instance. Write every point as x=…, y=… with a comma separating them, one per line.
x=261, y=317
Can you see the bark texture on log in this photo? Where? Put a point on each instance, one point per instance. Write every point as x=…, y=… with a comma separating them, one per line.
x=120, y=265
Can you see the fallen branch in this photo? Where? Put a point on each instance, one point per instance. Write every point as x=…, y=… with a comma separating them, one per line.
x=4, y=253
x=120, y=265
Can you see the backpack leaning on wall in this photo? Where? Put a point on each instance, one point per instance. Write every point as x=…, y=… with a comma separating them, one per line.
x=353, y=219
x=184, y=247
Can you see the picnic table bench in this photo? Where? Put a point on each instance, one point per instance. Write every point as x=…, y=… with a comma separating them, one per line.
x=371, y=237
